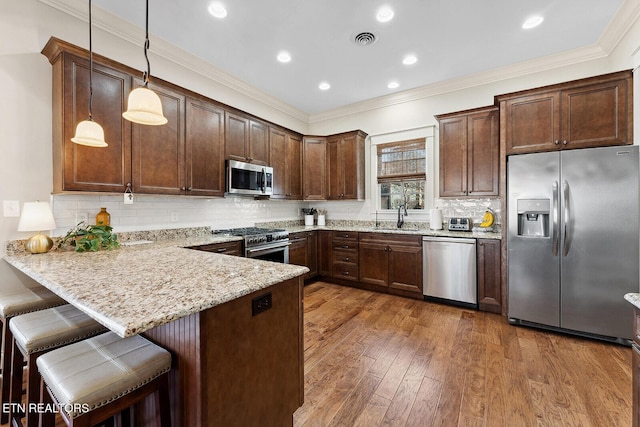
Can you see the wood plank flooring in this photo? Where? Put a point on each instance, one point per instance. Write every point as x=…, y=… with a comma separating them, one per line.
x=379, y=360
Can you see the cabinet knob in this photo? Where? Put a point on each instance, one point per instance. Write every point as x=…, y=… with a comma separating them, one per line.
x=346, y=273
x=345, y=259
x=565, y=142
x=556, y=142
x=189, y=188
x=183, y=189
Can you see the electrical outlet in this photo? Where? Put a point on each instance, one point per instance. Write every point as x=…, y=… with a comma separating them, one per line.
x=11, y=208
x=261, y=303
x=82, y=217
x=174, y=216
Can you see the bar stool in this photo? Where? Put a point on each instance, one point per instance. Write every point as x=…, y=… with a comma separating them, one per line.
x=35, y=334
x=95, y=379
x=18, y=298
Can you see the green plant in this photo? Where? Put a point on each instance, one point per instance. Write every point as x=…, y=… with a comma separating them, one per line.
x=87, y=237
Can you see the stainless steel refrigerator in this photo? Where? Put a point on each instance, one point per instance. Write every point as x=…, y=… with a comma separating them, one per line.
x=573, y=239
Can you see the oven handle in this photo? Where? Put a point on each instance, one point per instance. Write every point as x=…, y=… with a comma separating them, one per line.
x=268, y=249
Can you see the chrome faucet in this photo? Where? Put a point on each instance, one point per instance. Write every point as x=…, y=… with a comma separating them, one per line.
x=400, y=216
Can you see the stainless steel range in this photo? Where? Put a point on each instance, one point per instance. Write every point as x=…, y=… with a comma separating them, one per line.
x=263, y=243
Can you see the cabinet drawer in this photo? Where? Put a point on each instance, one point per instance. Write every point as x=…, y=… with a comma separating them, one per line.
x=345, y=271
x=345, y=245
x=226, y=248
x=391, y=239
x=342, y=256
x=345, y=235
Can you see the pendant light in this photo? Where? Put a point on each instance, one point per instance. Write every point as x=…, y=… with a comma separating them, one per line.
x=88, y=132
x=144, y=105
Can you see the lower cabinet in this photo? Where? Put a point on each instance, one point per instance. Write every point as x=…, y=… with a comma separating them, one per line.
x=391, y=263
x=345, y=255
x=227, y=248
x=489, y=275
x=303, y=250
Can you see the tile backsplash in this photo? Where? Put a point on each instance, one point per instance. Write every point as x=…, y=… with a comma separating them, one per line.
x=152, y=212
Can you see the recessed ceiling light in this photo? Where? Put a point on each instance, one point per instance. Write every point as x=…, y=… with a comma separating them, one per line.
x=532, y=22
x=385, y=14
x=284, y=56
x=217, y=9
x=409, y=60
x=393, y=85
x=324, y=86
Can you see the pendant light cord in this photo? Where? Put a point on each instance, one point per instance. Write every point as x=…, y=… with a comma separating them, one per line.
x=145, y=76
x=90, y=67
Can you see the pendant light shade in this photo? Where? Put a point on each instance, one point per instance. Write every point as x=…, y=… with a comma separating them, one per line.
x=144, y=105
x=144, y=108
x=88, y=132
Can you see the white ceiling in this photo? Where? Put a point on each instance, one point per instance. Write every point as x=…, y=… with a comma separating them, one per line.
x=452, y=39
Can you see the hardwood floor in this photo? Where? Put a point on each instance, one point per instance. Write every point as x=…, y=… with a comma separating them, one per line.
x=376, y=360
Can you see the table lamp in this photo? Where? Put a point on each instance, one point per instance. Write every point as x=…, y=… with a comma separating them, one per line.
x=37, y=216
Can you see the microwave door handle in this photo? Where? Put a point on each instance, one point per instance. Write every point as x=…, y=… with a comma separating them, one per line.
x=264, y=181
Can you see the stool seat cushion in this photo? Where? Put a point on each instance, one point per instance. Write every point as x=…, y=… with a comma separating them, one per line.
x=91, y=373
x=51, y=328
x=16, y=298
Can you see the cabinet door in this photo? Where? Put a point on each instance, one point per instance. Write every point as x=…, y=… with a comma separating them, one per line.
x=278, y=155
x=351, y=154
x=335, y=170
x=77, y=167
x=325, y=252
x=531, y=123
x=204, y=139
x=258, y=143
x=373, y=262
x=453, y=157
x=312, y=253
x=483, y=158
x=596, y=115
x=298, y=249
x=489, y=275
x=405, y=269
x=314, y=170
x=236, y=137
x=294, y=166
x=158, y=151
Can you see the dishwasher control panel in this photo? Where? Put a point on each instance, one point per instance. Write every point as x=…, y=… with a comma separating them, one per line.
x=460, y=224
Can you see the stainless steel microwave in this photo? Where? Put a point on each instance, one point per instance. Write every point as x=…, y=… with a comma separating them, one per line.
x=249, y=179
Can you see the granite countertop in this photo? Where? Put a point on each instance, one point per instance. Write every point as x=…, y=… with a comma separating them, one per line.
x=633, y=298
x=140, y=286
x=409, y=231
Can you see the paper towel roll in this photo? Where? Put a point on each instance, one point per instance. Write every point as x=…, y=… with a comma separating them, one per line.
x=435, y=219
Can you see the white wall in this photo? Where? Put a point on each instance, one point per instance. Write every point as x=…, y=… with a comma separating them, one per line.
x=25, y=120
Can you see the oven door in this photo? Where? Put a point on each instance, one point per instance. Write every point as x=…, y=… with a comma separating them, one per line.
x=277, y=252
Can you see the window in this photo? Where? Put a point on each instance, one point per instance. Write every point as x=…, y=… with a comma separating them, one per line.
x=402, y=174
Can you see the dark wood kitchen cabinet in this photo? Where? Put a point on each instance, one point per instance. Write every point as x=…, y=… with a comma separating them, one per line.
x=391, y=263
x=204, y=149
x=303, y=251
x=158, y=152
x=592, y=112
x=225, y=248
x=325, y=252
x=285, y=153
x=77, y=167
x=489, y=275
x=469, y=153
x=246, y=139
x=344, y=260
x=314, y=158
x=345, y=166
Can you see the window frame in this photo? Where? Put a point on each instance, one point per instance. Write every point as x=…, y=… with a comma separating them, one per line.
x=428, y=133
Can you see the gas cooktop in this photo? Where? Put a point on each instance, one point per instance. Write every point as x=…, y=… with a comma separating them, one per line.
x=255, y=236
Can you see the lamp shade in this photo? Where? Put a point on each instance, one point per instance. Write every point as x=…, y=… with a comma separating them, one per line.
x=36, y=216
x=89, y=133
x=144, y=107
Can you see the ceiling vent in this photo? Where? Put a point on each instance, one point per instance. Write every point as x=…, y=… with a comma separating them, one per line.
x=364, y=39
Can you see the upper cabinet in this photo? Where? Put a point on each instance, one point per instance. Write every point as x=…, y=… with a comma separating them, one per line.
x=345, y=166
x=246, y=140
x=314, y=160
x=77, y=167
x=469, y=153
x=285, y=153
x=591, y=112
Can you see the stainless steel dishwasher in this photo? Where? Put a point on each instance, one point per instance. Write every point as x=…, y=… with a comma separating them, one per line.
x=450, y=270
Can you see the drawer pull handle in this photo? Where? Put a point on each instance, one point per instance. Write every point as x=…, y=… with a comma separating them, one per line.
x=222, y=250
x=346, y=259
x=346, y=273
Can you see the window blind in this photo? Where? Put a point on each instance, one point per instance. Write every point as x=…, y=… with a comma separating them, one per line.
x=401, y=160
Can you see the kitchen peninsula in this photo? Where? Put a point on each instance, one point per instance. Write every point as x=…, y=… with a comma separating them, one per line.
x=233, y=363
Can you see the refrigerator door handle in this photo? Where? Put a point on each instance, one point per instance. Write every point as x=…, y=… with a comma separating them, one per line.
x=567, y=218
x=555, y=216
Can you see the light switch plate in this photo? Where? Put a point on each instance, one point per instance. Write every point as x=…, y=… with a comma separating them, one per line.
x=11, y=208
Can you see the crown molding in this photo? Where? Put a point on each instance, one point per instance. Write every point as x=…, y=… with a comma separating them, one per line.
x=134, y=35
